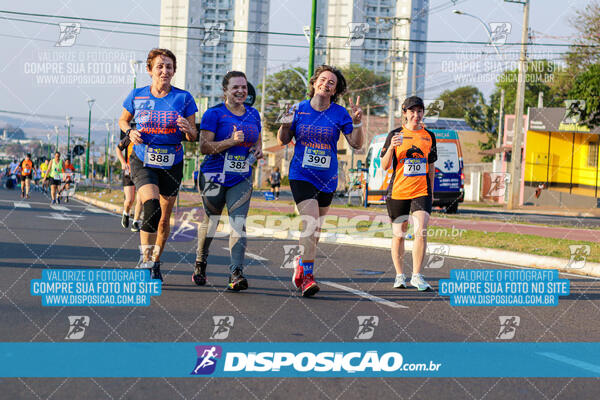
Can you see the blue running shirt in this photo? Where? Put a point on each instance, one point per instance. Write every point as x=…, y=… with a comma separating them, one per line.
x=315, y=153
x=156, y=119
x=229, y=167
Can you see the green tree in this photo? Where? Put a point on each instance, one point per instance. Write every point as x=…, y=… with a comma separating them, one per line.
x=586, y=23
x=371, y=88
x=458, y=101
x=586, y=86
x=282, y=85
x=484, y=118
x=539, y=75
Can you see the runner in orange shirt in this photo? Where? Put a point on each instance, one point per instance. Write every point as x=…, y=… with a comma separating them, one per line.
x=27, y=171
x=412, y=154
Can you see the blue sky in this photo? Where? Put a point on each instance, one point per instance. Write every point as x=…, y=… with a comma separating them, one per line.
x=27, y=45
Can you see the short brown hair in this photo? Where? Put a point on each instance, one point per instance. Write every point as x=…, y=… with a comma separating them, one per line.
x=340, y=88
x=160, y=52
x=232, y=74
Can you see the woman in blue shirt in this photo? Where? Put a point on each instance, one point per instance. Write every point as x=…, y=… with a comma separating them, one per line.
x=164, y=116
x=230, y=136
x=313, y=175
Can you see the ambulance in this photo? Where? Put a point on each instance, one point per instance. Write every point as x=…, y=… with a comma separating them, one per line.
x=449, y=177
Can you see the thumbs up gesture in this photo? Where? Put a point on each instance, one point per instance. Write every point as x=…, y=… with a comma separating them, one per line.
x=237, y=136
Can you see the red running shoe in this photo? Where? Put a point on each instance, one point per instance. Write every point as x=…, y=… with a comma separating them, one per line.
x=309, y=286
x=298, y=276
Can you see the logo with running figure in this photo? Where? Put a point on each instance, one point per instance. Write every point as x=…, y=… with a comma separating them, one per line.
x=77, y=325
x=579, y=255
x=437, y=255
x=213, y=182
x=499, y=32
x=366, y=326
x=68, y=33
x=574, y=110
x=207, y=359
x=212, y=34
x=222, y=326
x=185, y=228
x=508, y=326
x=433, y=108
x=357, y=32
x=290, y=252
x=499, y=184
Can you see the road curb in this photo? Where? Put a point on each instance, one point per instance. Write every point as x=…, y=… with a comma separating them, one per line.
x=467, y=252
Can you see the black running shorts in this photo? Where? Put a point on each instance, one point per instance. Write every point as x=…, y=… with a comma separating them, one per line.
x=167, y=180
x=303, y=190
x=127, y=181
x=400, y=208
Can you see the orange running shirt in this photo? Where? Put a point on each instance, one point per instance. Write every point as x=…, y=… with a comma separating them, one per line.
x=26, y=167
x=410, y=163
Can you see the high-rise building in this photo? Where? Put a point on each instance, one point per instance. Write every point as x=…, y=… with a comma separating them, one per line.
x=403, y=19
x=214, y=40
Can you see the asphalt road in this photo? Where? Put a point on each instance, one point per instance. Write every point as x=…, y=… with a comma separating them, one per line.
x=355, y=282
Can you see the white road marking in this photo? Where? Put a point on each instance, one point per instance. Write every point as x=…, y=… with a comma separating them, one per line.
x=364, y=294
x=61, y=217
x=96, y=210
x=59, y=207
x=22, y=204
x=251, y=255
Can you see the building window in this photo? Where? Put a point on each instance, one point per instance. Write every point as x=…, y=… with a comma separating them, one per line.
x=592, y=154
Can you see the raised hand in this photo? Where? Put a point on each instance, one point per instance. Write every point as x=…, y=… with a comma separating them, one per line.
x=356, y=111
x=287, y=115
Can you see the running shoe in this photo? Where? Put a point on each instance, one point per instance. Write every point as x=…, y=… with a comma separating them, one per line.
x=125, y=221
x=237, y=281
x=309, y=286
x=58, y=199
x=298, y=273
x=155, y=270
x=53, y=202
x=199, y=275
x=135, y=226
x=417, y=281
x=400, y=282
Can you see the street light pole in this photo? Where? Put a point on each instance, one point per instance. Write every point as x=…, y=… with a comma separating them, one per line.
x=393, y=59
x=133, y=64
x=485, y=25
x=515, y=165
x=56, y=130
x=87, y=150
x=313, y=34
x=69, y=136
x=392, y=80
x=106, y=153
x=500, y=129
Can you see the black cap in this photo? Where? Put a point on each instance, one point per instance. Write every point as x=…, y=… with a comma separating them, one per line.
x=413, y=101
